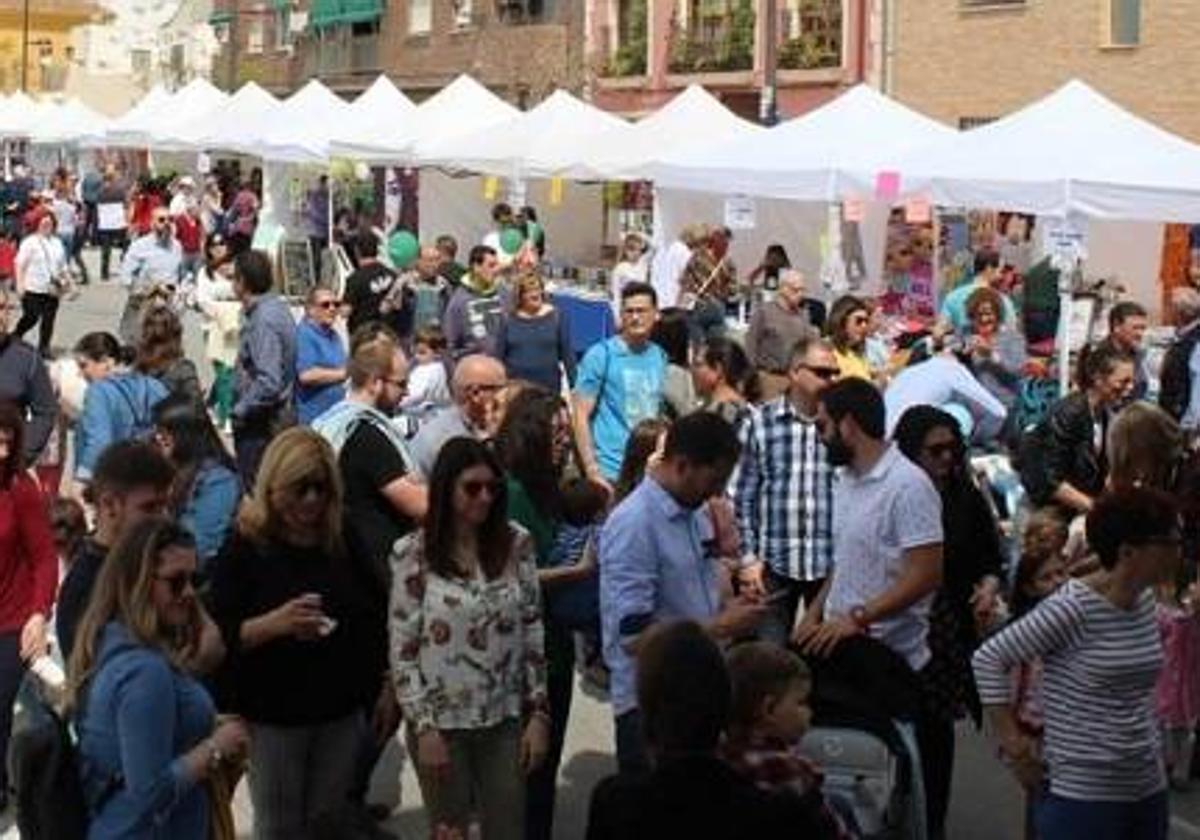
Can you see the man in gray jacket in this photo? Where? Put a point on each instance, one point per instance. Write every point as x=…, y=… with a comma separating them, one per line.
x=25, y=382
x=266, y=363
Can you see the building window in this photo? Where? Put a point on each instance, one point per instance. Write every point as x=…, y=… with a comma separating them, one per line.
x=254, y=35
x=283, y=26
x=1124, y=23
x=420, y=17
x=810, y=34
x=464, y=13
x=712, y=36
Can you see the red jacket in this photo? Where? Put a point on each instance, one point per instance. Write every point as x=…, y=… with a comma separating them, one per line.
x=28, y=564
x=189, y=233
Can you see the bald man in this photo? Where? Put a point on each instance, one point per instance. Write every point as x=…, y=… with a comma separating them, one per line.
x=475, y=387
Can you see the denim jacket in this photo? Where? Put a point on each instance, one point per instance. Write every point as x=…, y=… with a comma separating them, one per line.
x=116, y=408
x=138, y=718
x=209, y=510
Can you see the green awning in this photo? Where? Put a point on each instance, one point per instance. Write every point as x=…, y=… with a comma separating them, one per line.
x=361, y=11
x=327, y=13
x=219, y=17
x=280, y=5
x=324, y=13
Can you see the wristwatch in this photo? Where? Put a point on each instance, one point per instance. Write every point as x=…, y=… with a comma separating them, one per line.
x=859, y=616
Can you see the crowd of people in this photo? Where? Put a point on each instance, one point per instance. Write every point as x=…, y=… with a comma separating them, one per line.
x=433, y=518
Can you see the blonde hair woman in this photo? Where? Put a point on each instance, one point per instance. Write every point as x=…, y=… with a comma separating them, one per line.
x=145, y=726
x=302, y=649
x=534, y=339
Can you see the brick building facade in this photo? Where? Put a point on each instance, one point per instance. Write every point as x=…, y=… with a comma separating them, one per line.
x=969, y=61
x=521, y=49
x=643, y=52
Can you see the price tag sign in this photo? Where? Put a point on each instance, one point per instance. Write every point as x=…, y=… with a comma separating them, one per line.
x=740, y=213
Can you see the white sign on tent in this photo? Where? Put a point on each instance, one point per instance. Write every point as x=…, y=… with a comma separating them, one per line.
x=740, y=212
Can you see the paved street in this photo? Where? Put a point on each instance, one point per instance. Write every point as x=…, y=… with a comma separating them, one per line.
x=986, y=803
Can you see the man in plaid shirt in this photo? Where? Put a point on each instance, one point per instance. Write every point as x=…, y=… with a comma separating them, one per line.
x=783, y=492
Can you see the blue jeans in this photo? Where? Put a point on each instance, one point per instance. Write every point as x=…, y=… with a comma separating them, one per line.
x=1075, y=819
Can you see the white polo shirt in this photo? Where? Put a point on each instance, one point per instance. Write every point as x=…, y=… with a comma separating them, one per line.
x=876, y=518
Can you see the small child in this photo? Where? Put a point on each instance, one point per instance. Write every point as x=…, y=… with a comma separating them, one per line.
x=427, y=384
x=1177, y=693
x=1042, y=570
x=768, y=719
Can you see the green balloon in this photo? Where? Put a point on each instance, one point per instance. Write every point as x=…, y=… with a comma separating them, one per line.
x=403, y=248
x=511, y=240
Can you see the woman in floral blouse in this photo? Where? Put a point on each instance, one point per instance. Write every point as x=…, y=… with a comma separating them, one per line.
x=466, y=647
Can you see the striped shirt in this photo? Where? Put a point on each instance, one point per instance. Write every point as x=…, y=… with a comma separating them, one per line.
x=1100, y=666
x=783, y=492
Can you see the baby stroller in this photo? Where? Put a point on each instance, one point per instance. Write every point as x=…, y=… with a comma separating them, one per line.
x=865, y=700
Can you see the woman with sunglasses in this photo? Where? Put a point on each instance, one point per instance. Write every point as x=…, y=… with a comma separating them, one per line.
x=972, y=562
x=147, y=733
x=220, y=313
x=467, y=648
x=724, y=379
x=849, y=324
x=302, y=654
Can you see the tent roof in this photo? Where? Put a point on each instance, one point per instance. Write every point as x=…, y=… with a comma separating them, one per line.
x=380, y=111
x=462, y=107
x=692, y=119
x=301, y=130
x=195, y=99
x=71, y=122
x=823, y=155
x=223, y=127
x=539, y=143
x=19, y=114
x=1073, y=152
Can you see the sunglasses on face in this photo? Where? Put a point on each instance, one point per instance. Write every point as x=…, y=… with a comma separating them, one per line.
x=179, y=582
x=301, y=489
x=474, y=488
x=328, y=304
x=825, y=374
x=161, y=220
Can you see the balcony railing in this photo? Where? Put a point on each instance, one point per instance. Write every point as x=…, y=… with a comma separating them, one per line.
x=342, y=54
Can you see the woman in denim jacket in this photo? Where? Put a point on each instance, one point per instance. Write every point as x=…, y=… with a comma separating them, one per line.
x=146, y=736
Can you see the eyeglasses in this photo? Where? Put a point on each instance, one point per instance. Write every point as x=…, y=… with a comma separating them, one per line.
x=475, y=487
x=328, y=304
x=825, y=374
x=161, y=220
x=859, y=319
x=484, y=388
x=179, y=582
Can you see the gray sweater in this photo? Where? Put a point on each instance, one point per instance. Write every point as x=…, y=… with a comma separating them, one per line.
x=25, y=381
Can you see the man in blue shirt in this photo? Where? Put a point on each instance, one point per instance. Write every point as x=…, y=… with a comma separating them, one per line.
x=320, y=357
x=619, y=383
x=658, y=563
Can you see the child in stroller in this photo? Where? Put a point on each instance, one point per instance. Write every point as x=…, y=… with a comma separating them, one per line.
x=865, y=702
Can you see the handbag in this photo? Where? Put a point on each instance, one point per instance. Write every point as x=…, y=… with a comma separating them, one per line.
x=221, y=784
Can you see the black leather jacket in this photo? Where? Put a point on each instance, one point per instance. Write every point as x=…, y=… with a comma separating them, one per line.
x=1062, y=448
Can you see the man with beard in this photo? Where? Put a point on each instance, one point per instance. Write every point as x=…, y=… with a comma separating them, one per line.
x=153, y=263
x=887, y=533
x=382, y=503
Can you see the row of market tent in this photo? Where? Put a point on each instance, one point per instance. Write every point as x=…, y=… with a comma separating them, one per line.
x=1073, y=152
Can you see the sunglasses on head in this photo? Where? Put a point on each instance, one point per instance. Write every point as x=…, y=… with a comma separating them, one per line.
x=179, y=582
x=475, y=487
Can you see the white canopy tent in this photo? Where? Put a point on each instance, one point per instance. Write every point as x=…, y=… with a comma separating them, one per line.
x=462, y=107
x=222, y=127
x=1073, y=153
x=20, y=114
x=540, y=143
x=300, y=131
x=243, y=105
x=70, y=122
x=692, y=120
x=377, y=111
x=130, y=129
x=824, y=155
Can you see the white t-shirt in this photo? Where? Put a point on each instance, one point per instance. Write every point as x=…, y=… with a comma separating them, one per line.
x=39, y=259
x=876, y=518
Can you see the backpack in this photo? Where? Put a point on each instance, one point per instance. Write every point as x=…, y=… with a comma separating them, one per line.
x=44, y=763
x=1175, y=376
